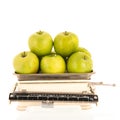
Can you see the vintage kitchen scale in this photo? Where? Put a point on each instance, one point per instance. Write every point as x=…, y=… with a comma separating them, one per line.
x=47, y=90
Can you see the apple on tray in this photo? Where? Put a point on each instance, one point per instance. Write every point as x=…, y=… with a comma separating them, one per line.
x=26, y=63
x=40, y=43
x=79, y=62
x=65, y=43
x=52, y=63
x=83, y=49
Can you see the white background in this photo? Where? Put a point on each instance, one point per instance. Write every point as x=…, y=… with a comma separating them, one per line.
x=96, y=22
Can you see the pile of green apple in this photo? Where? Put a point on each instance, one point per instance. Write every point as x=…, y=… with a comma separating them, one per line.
x=59, y=55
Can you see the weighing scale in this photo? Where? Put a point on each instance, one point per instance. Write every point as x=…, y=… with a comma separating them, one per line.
x=47, y=90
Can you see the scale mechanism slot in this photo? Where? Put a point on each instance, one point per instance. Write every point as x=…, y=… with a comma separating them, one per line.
x=18, y=96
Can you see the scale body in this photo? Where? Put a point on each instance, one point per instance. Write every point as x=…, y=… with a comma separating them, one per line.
x=47, y=90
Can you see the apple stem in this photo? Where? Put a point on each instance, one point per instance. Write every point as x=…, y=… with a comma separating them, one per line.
x=39, y=32
x=24, y=54
x=85, y=58
x=66, y=33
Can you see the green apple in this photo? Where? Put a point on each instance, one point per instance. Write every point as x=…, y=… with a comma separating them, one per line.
x=82, y=49
x=52, y=63
x=40, y=43
x=26, y=63
x=79, y=62
x=65, y=43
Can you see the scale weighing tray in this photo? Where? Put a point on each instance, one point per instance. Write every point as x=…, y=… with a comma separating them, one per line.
x=48, y=90
x=58, y=76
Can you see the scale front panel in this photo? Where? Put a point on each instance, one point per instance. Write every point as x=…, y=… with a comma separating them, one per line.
x=34, y=92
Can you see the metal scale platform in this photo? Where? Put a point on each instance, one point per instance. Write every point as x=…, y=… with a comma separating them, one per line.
x=48, y=90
